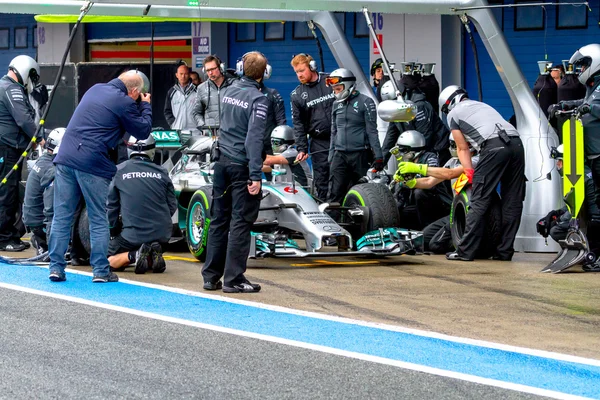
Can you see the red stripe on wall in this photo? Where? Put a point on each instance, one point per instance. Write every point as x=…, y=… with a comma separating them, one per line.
x=100, y=54
x=181, y=42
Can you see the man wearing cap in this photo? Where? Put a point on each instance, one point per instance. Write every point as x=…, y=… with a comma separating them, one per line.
x=83, y=166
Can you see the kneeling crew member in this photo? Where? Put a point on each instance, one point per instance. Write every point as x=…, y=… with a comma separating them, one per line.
x=501, y=160
x=237, y=180
x=143, y=194
x=353, y=135
x=38, y=205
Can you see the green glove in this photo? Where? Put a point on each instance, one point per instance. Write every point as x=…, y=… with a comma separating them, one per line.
x=412, y=168
x=411, y=183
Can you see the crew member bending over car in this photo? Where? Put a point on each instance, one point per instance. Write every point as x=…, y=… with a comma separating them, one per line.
x=284, y=154
x=142, y=194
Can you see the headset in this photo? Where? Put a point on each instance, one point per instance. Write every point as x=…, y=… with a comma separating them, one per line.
x=239, y=65
x=312, y=64
x=219, y=63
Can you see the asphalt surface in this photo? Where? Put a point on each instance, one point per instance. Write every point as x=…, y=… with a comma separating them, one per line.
x=52, y=348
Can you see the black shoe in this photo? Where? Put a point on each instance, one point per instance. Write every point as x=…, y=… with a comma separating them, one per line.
x=158, y=262
x=56, y=276
x=500, y=258
x=594, y=267
x=244, y=287
x=26, y=244
x=143, y=259
x=213, y=286
x=12, y=246
x=76, y=262
x=454, y=256
x=111, y=277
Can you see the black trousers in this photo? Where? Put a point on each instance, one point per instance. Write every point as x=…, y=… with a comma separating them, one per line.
x=9, y=194
x=319, y=151
x=437, y=237
x=425, y=207
x=503, y=164
x=233, y=211
x=347, y=167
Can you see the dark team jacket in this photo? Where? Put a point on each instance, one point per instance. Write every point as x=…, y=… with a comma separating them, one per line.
x=276, y=114
x=354, y=125
x=38, y=204
x=99, y=122
x=17, y=116
x=427, y=122
x=143, y=194
x=244, y=111
x=311, y=112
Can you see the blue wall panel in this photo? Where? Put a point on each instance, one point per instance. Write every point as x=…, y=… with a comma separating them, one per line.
x=10, y=22
x=280, y=54
x=528, y=48
x=137, y=30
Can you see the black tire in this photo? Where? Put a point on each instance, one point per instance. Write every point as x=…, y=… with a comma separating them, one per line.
x=493, y=223
x=82, y=232
x=197, y=222
x=380, y=202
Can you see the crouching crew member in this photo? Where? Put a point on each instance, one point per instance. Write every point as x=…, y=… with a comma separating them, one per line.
x=38, y=205
x=237, y=179
x=354, y=137
x=142, y=194
x=501, y=160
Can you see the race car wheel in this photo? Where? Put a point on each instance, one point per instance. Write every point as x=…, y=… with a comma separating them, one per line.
x=82, y=232
x=198, y=221
x=493, y=223
x=380, y=203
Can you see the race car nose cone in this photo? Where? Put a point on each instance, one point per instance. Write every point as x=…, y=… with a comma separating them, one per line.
x=396, y=110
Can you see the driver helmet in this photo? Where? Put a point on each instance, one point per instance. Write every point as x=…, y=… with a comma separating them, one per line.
x=454, y=148
x=282, y=138
x=586, y=62
x=451, y=96
x=410, y=144
x=145, y=147
x=27, y=71
x=345, y=77
x=54, y=139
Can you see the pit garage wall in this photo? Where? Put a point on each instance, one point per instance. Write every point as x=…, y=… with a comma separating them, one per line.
x=8, y=50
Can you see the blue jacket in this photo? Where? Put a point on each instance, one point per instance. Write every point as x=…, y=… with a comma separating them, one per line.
x=104, y=114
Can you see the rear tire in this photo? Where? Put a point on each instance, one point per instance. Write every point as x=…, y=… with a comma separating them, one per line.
x=197, y=222
x=82, y=232
x=492, y=235
x=379, y=200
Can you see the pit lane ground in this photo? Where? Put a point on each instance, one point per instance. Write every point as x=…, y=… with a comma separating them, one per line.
x=510, y=304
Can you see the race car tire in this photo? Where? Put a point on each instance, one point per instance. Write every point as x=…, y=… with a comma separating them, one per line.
x=493, y=223
x=197, y=222
x=380, y=202
x=82, y=232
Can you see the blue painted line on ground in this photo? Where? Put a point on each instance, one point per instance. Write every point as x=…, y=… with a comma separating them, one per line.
x=513, y=367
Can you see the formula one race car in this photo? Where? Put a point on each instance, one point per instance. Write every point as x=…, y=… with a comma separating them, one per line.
x=291, y=223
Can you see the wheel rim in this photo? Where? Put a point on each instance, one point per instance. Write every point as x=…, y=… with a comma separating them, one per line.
x=196, y=225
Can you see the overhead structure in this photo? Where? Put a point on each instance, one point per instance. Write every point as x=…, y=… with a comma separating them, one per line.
x=542, y=194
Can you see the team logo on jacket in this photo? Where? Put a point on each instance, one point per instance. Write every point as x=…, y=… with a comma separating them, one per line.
x=304, y=96
x=355, y=107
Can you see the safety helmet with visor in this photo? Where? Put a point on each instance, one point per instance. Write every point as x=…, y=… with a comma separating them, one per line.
x=282, y=137
x=344, y=77
x=27, y=71
x=454, y=148
x=54, y=139
x=586, y=62
x=409, y=146
x=145, y=147
x=450, y=97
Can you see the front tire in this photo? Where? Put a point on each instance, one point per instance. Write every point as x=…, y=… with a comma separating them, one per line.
x=378, y=199
x=198, y=222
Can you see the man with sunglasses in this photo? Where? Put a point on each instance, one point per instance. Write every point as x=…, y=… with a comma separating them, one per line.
x=17, y=128
x=312, y=104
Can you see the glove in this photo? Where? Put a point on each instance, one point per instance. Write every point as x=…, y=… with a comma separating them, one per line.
x=552, y=110
x=469, y=172
x=583, y=109
x=378, y=164
x=410, y=183
x=412, y=168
